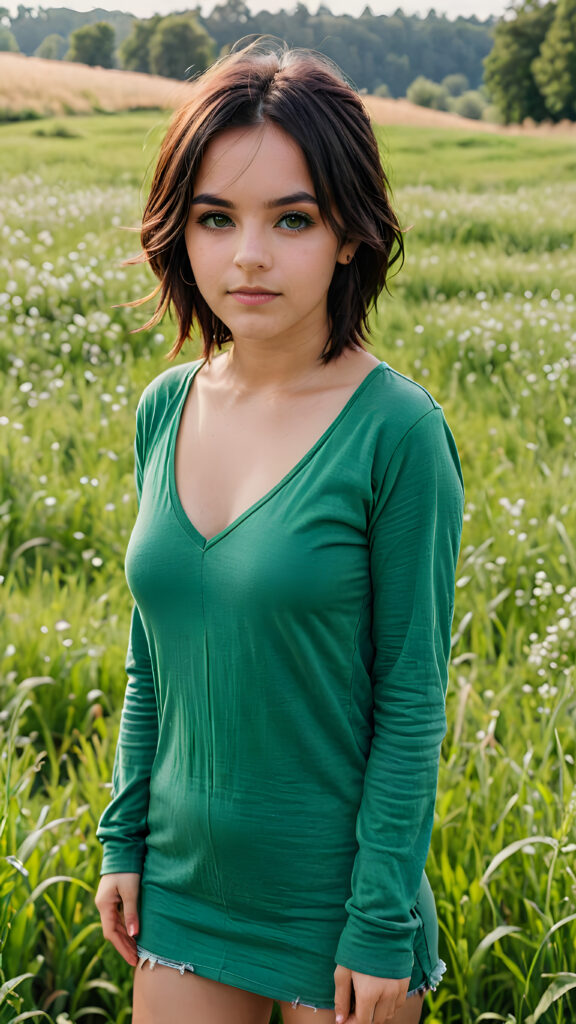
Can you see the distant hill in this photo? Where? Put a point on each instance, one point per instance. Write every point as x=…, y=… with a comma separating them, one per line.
x=55, y=87
x=61, y=87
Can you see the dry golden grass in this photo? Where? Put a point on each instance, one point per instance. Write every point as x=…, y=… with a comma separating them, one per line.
x=60, y=87
x=387, y=111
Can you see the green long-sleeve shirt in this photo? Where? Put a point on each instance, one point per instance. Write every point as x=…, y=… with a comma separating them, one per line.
x=276, y=769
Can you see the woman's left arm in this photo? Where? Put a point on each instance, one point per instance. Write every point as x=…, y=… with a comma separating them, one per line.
x=414, y=537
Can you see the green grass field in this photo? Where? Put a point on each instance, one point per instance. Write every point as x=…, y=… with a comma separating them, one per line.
x=484, y=315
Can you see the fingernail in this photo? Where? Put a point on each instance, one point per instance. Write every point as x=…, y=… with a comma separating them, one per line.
x=339, y=1019
x=131, y=929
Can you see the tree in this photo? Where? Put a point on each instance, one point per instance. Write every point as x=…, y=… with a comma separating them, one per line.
x=508, y=74
x=134, y=52
x=456, y=84
x=426, y=93
x=398, y=72
x=301, y=15
x=369, y=48
x=8, y=43
x=555, y=68
x=93, y=44
x=470, y=104
x=232, y=15
x=31, y=29
x=179, y=45
x=52, y=47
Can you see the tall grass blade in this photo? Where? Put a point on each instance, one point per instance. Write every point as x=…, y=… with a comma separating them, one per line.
x=562, y=984
x=29, y=1015
x=510, y=850
x=11, y=984
x=52, y=881
x=489, y=940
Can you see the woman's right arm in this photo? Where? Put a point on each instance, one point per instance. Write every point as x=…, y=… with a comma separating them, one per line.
x=123, y=827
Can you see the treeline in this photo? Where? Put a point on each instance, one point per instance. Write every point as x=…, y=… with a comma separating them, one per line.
x=373, y=50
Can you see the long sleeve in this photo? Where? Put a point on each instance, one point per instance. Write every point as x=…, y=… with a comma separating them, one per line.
x=122, y=828
x=414, y=537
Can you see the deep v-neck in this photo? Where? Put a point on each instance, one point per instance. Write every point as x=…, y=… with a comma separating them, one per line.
x=182, y=515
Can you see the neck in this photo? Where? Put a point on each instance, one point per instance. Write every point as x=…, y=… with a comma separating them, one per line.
x=256, y=366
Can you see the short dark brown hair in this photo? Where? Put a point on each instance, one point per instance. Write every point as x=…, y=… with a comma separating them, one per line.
x=304, y=94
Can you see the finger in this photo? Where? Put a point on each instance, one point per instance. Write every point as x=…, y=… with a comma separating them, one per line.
x=123, y=943
x=114, y=931
x=108, y=915
x=383, y=1013
x=399, y=1003
x=365, y=1012
x=126, y=947
x=343, y=988
x=130, y=913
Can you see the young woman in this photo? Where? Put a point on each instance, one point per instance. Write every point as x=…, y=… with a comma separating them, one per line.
x=292, y=567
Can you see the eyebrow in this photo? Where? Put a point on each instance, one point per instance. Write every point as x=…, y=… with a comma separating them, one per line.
x=296, y=197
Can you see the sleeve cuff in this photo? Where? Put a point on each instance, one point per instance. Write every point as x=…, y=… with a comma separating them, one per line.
x=119, y=856
x=369, y=948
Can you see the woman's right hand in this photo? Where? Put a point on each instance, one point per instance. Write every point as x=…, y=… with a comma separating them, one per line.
x=117, y=902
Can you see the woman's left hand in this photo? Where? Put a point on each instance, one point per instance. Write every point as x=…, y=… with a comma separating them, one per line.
x=377, y=999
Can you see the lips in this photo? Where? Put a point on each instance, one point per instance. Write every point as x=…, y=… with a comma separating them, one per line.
x=252, y=290
x=253, y=296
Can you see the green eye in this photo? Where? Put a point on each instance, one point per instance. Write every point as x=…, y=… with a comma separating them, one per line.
x=295, y=221
x=215, y=220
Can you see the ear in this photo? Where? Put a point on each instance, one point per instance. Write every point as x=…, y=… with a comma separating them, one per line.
x=347, y=251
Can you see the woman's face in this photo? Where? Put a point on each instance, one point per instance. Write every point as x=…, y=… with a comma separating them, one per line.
x=261, y=255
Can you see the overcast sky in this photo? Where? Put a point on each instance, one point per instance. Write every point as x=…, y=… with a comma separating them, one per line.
x=145, y=8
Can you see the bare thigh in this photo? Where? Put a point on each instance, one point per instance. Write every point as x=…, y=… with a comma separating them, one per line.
x=409, y=1013
x=164, y=996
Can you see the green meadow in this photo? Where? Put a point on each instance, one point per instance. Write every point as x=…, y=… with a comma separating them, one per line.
x=484, y=315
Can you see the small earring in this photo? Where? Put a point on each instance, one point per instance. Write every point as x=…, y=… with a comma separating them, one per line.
x=191, y=284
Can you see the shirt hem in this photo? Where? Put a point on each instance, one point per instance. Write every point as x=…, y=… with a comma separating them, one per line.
x=240, y=981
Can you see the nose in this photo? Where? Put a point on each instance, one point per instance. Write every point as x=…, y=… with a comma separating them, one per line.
x=252, y=252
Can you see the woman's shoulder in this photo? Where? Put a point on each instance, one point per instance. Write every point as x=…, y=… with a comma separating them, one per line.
x=159, y=398
x=168, y=384
x=403, y=391
x=409, y=426
x=396, y=403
